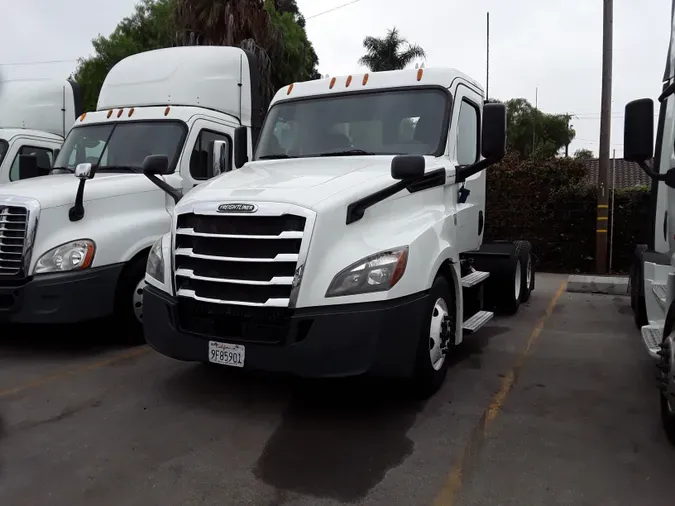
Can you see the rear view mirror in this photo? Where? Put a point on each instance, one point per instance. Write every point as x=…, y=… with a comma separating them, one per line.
x=156, y=164
x=84, y=171
x=407, y=167
x=240, y=147
x=221, y=155
x=493, y=145
x=638, y=132
x=28, y=167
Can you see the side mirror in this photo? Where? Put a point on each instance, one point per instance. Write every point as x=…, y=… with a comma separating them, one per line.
x=156, y=164
x=28, y=167
x=220, y=157
x=638, y=133
x=240, y=147
x=84, y=171
x=493, y=144
x=407, y=167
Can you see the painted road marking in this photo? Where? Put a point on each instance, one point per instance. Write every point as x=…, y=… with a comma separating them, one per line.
x=72, y=372
x=453, y=482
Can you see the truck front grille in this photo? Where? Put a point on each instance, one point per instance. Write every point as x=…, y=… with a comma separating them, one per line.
x=13, y=233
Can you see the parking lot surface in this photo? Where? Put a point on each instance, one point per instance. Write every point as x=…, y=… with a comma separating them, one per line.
x=555, y=406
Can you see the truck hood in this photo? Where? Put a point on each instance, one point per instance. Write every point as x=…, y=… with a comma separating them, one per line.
x=60, y=189
x=302, y=181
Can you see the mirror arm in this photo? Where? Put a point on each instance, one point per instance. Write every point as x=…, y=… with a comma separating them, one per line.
x=76, y=213
x=463, y=172
x=650, y=172
x=175, y=195
x=667, y=92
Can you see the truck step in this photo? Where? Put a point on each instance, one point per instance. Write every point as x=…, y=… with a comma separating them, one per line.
x=661, y=292
x=652, y=335
x=477, y=321
x=474, y=278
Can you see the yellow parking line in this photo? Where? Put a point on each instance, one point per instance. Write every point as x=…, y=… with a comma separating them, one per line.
x=72, y=372
x=453, y=481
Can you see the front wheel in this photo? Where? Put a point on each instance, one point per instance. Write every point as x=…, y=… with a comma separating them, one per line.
x=129, y=301
x=437, y=337
x=667, y=372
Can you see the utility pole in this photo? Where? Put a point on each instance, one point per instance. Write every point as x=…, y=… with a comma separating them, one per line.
x=605, y=130
x=487, y=77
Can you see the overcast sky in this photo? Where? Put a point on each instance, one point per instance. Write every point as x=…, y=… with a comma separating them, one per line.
x=552, y=45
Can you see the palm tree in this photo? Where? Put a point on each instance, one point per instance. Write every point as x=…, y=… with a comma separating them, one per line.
x=391, y=52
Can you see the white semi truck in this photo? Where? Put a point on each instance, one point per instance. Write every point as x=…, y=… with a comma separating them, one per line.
x=74, y=244
x=35, y=117
x=351, y=244
x=652, y=279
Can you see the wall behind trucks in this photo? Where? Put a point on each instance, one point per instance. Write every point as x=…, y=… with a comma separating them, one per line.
x=220, y=78
x=40, y=104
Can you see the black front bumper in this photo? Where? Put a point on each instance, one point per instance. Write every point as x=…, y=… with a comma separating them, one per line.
x=379, y=338
x=64, y=297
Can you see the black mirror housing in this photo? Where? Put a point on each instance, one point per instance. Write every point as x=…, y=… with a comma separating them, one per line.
x=493, y=144
x=638, y=133
x=156, y=164
x=240, y=146
x=28, y=167
x=407, y=167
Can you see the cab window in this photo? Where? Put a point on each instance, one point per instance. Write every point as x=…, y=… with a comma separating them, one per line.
x=201, y=159
x=44, y=160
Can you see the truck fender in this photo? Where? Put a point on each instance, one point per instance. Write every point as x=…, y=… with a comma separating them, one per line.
x=140, y=246
x=446, y=263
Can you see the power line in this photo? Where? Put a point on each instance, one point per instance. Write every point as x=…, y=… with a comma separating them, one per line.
x=333, y=9
x=50, y=62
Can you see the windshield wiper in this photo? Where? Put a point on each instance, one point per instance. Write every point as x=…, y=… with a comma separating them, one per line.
x=276, y=156
x=348, y=152
x=126, y=168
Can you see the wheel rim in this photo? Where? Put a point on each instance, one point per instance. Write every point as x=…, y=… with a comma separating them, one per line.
x=518, y=280
x=437, y=334
x=137, y=300
x=528, y=273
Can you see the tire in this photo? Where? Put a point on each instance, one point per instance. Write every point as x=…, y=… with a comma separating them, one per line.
x=524, y=249
x=428, y=378
x=132, y=280
x=508, y=288
x=666, y=373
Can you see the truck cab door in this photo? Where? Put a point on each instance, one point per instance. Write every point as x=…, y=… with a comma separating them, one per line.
x=197, y=162
x=42, y=149
x=464, y=149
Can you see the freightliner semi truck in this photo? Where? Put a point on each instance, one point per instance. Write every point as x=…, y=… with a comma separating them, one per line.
x=352, y=242
x=74, y=244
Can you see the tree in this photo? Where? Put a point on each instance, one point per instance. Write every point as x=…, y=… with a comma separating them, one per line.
x=583, y=154
x=533, y=132
x=392, y=52
x=149, y=27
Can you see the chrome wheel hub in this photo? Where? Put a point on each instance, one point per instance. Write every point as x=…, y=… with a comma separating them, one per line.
x=137, y=300
x=439, y=333
x=667, y=370
x=518, y=280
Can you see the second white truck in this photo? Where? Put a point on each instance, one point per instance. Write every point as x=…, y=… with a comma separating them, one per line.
x=351, y=244
x=35, y=117
x=74, y=244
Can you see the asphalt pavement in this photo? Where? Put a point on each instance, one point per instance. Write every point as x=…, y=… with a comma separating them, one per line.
x=554, y=406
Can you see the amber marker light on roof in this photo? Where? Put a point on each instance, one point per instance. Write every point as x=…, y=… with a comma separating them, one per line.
x=109, y=114
x=290, y=88
x=349, y=81
x=419, y=74
x=84, y=115
x=166, y=111
x=365, y=79
x=131, y=111
x=332, y=83
x=119, y=113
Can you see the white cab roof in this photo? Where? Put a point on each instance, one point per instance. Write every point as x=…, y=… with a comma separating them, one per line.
x=211, y=77
x=375, y=80
x=38, y=104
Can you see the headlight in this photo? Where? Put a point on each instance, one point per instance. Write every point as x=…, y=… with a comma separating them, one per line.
x=67, y=257
x=376, y=273
x=155, y=265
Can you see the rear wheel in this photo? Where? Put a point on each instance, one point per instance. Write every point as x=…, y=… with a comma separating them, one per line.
x=524, y=249
x=509, y=282
x=436, y=339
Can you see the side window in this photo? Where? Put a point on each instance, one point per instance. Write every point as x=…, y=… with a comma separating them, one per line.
x=467, y=134
x=45, y=159
x=201, y=159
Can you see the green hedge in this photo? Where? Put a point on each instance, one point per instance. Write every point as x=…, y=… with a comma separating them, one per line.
x=549, y=203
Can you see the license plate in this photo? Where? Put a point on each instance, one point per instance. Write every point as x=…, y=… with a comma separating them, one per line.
x=227, y=354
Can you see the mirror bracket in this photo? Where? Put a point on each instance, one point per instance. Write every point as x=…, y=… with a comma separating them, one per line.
x=166, y=187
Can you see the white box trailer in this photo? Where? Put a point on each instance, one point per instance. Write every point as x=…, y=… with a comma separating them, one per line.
x=35, y=117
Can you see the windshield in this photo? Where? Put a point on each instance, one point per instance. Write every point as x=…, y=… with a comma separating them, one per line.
x=3, y=149
x=121, y=146
x=381, y=123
